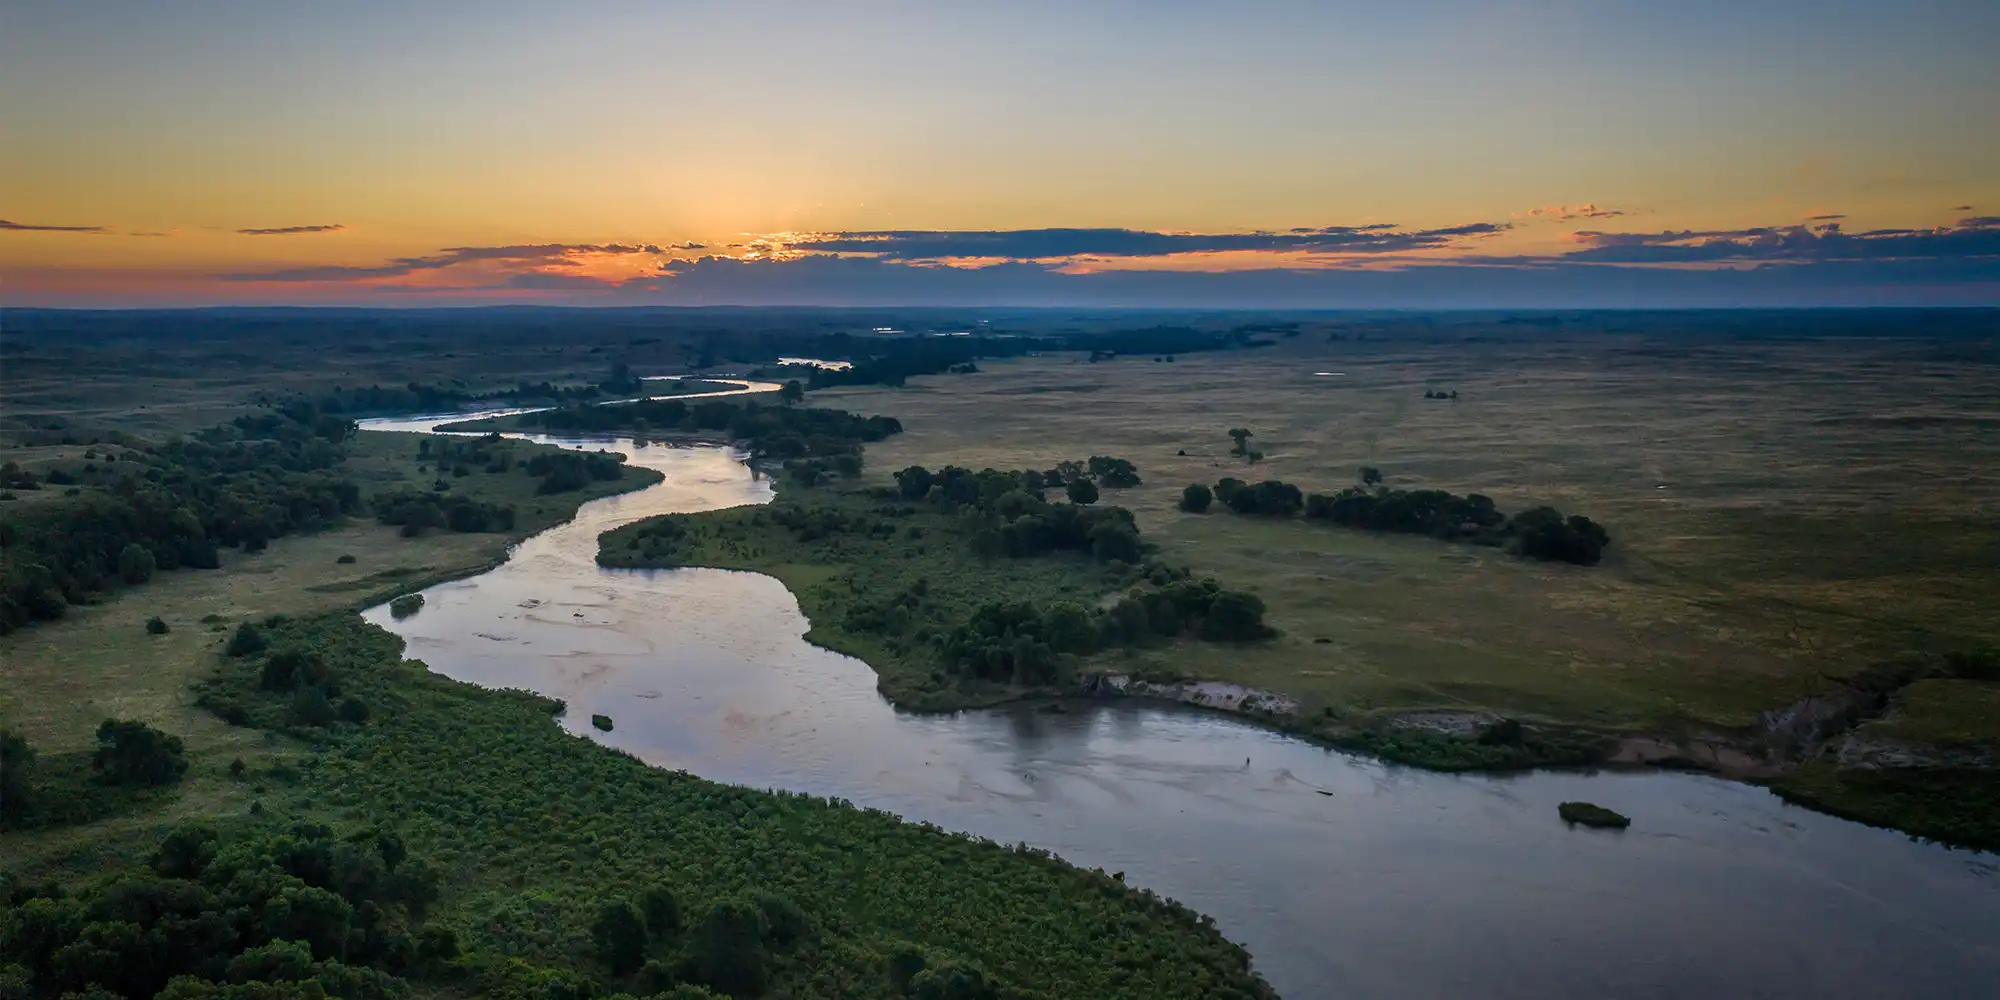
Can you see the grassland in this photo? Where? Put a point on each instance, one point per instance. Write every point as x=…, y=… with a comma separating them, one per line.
x=1782, y=514
x=98, y=661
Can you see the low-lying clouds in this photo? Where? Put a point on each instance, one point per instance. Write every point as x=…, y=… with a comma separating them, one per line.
x=1374, y=265
x=1053, y=244
x=291, y=230
x=25, y=227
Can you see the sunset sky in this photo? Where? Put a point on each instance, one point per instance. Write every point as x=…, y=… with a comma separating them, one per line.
x=1283, y=154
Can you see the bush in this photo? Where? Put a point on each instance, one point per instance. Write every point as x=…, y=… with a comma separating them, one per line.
x=1196, y=498
x=345, y=560
x=1081, y=491
x=133, y=753
x=247, y=641
x=1543, y=533
x=156, y=626
x=406, y=605
x=136, y=564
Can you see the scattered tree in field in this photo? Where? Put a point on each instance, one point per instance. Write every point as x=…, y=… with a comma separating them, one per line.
x=156, y=626
x=133, y=753
x=1241, y=435
x=1081, y=491
x=136, y=564
x=345, y=560
x=914, y=482
x=1370, y=475
x=1543, y=533
x=792, y=392
x=17, y=761
x=1196, y=498
x=1234, y=616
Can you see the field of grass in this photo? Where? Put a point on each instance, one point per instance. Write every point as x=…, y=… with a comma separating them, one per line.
x=1782, y=513
x=98, y=661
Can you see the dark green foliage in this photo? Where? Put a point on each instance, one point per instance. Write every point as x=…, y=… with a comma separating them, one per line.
x=620, y=935
x=156, y=626
x=1270, y=497
x=601, y=723
x=1241, y=438
x=406, y=605
x=1234, y=616
x=242, y=484
x=914, y=482
x=311, y=707
x=17, y=761
x=1957, y=806
x=345, y=560
x=1370, y=475
x=414, y=511
x=1543, y=533
x=791, y=392
x=1081, y=491
x=291, y=668
x=1113, y=473
x=136, y=564
x=727, y=944
x=279, y=914
x=662, y=910
x=777, y=432
x=247, y=640
x=563, y=471
x=133, y=753
x=951, y=981
x=1196, y=498
x=1590, y=814
x=353, y=710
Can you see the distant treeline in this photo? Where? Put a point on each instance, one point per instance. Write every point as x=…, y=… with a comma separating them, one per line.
x=779, y=432
x=1538, y=533
x=242, y=484
x=891, y=362
x=417, y=397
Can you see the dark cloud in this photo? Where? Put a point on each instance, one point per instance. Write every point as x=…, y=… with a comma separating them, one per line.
x=24, y=227
x=1961, y=208
x=1565, y=213
x=540, y=254
x=1829, y=217
x=291, y=230
x=1975, y=238
x=1056, y=244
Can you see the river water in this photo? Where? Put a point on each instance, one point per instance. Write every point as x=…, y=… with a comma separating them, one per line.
x=1344, y=877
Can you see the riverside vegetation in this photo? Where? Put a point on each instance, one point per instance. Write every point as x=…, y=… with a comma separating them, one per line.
x=323, y=818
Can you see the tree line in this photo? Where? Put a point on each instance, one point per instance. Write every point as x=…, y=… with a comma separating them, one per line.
x=1538, y=533
x=776, y=432
x=172, y=506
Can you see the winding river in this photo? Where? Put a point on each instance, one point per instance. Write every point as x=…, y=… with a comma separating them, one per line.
x=1344, y=876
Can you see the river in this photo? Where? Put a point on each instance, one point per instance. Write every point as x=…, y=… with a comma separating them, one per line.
x=1345, y=877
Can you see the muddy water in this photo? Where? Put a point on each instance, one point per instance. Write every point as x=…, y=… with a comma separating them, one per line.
x=1344, y=877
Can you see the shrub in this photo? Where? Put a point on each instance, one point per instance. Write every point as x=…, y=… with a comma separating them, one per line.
x=1196, y=498
x=156, y=626
x=246, y=642
x=344, y=560
x=1081, y=491
x=133, y=753
x=136, y=564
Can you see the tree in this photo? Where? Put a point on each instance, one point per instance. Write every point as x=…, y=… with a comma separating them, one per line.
x=1370, y=475
x=791, y=392
x=133, y=753
x=136, y=564
x=662, y=910
x=1234, y=616
x=17, y=759
x=1196, y=498
x=914, y=482
x=156, y=626
x=1241, y=435
x=728, y=948
x=246, y=642
x=620, y=934
x=1081, y=491
x=1543, y=533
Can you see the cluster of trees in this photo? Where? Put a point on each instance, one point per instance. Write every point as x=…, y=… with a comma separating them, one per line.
x=1440, y=394
x=285, y=684
x=1012, y=515
x=129, y=756
x=415, y=511
x=777, y=432
x=172, y=506
x=563, y=471
x=1033, y=643
x=291, y=913
x=417, y=397
x=490, y=452
x=1538, y=533
x=953, y=485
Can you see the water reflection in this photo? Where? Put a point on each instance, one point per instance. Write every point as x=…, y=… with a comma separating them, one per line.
x=1345, y=877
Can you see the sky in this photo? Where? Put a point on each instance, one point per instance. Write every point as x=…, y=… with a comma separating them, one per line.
x=1278, y=154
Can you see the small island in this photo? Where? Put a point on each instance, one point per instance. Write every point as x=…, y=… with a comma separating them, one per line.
x=1592, y=815
x=406, y=605
x=601, y=722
